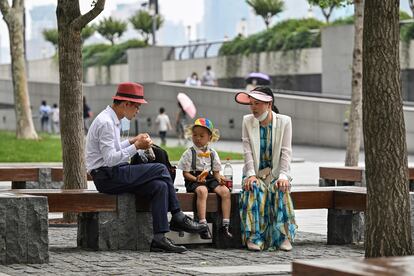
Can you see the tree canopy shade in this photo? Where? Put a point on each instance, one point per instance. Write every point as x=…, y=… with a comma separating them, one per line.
x=142, y=22
x=111, y=28
x=266, y=8
x=388, y=225
x=70, y=24
x=13, y=16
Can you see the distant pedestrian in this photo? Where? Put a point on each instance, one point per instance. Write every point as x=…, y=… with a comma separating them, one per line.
x=209, y=78
x=163, y=122
x=55, y=119
x=44, y=111
x=181, y=121
x=87, y=115
x=193, y=80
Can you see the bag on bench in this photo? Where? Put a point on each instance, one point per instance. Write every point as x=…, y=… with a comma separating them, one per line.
x=161, y=156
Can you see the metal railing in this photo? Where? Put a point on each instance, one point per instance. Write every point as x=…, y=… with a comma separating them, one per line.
x=195, y=49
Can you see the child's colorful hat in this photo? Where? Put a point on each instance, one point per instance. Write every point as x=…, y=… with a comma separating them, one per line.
x=203, y=122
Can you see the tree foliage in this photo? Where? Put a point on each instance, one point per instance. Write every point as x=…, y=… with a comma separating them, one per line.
x=111, y=28
x=266, y=8
x=328, y=6
x=87, y=32
x=51, y=35
x=142, y=22
x=286, y=35
x=104, y=54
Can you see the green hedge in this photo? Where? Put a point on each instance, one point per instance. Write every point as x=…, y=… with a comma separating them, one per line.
x=105, y=54
x=286, y=35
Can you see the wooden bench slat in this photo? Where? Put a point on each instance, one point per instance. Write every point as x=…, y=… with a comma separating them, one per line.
x=353, y=174
x=19, y=174
x=74, y=200
x=57, y=174
x=187, y=202
x=401, y=266
x=312, y=199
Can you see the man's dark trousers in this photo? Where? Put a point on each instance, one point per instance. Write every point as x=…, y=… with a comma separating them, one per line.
x=152, y=181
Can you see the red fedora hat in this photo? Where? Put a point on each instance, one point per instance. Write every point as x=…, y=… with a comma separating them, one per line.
x=130, y=91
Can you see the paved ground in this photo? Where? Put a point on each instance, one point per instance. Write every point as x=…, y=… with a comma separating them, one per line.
x=66, y=259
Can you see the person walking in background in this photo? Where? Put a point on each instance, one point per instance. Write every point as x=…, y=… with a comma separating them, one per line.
x=181, y=121
x=44, y=111
x=193, y=80
x=209, y=78
x=87, y=114
x=163, y=122
x=266, y=209
x=55, y=119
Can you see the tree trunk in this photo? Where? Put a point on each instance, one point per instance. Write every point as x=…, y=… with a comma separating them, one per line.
x=14, y=20
x=355, y=119
x=388, y=226
x=70, y=24
x=411, y=3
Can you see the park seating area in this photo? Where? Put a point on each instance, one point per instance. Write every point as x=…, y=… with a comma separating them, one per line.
x=108, y=222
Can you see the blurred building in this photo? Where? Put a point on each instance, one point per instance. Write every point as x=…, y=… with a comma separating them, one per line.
x=41, y=18
x=226, y=19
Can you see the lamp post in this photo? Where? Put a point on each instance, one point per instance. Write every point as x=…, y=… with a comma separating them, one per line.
x=153, y=13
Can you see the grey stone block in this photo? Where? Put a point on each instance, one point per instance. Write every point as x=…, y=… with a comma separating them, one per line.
x=125, y=229
x=23, y=229
x=37, y=234
x=345, y=227
x=45, y=181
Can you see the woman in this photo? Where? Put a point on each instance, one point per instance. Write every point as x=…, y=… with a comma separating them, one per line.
x=266, y=209
x=181, y=121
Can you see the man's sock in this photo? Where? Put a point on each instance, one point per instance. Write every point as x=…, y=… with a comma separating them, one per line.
x=158, y=236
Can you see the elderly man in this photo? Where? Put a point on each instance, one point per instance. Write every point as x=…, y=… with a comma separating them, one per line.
x=107, y=161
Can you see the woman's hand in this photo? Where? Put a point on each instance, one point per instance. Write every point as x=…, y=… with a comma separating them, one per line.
x=248, y=183
x=283, y=185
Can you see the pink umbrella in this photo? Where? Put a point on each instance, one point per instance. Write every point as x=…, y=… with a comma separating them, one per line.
x=187, y=104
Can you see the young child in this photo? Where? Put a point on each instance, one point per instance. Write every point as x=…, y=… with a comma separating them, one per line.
x=163, y=122
x=201, y=157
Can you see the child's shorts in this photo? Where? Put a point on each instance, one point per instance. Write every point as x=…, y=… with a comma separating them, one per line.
x=211, y=183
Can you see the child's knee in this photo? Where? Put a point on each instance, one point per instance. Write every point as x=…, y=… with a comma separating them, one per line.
x=201, y=191
x=223, y=192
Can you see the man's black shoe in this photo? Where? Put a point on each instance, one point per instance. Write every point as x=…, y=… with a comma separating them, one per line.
x=205, y=235
x=166, y=245
x=186, y=224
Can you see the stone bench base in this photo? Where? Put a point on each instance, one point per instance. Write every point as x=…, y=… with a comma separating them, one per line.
x=23, y=229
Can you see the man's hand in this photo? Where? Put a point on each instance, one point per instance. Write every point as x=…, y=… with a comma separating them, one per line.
x=248, y=184
x=143, y=141
x=282, y=185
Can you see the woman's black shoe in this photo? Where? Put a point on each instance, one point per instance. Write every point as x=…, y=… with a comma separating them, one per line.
x=166, y=245
x=205, y=235
x=226, y=232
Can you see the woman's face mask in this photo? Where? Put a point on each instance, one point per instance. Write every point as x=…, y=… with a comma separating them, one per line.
x=263, y=116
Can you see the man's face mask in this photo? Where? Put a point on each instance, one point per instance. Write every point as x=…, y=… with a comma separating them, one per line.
x=125, y=124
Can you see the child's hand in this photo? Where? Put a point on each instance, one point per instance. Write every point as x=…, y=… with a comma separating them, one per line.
x=200, y=179
x=221, y=180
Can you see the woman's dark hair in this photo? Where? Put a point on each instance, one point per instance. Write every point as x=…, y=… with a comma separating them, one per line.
x=268, y=91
